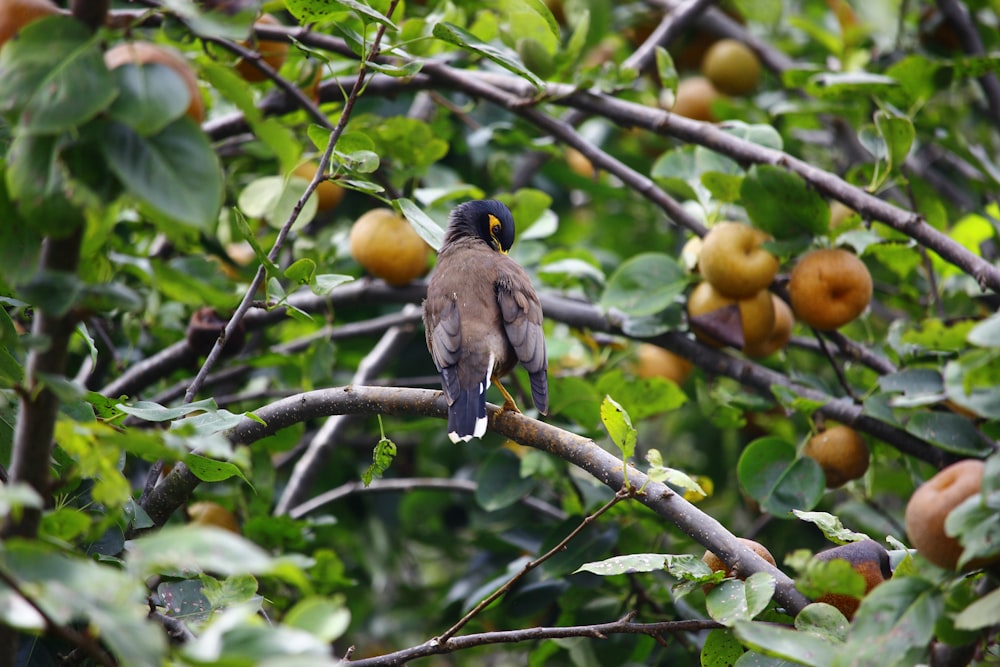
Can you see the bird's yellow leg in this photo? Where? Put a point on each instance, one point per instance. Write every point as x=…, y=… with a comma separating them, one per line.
x=508, y=401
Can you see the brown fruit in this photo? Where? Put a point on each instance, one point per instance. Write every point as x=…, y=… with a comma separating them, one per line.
x=328, y=193
x=869, y=559
x=713, y=317
x=385, y=244
x=732, y=67
x=208, y=513
x=840, y=452
x=931, y=504
x=146, y=53
x=654, y=361
x=829, y=288
x=15, y=14
x=695, y=96
x=780, y=333
x=717, y=565
x=271, y=52
x=732, y=259
x=839, y=213
x=579, y=163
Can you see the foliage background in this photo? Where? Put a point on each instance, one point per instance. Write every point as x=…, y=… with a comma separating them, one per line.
x=121, y=218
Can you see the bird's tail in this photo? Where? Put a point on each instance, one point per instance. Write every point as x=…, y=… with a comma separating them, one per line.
x=540, y=391
x=467, y=415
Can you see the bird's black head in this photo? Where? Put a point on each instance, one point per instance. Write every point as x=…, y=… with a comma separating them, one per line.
x=485, y=219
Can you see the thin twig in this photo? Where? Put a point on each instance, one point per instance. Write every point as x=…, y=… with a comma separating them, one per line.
x=405, y=484
x=279, y=242
x=596, y=631
x=311, y=463
x=443, y=638
x=83, y=641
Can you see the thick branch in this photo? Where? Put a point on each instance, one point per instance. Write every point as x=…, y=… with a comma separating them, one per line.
x=570, y=447
x=39, y=406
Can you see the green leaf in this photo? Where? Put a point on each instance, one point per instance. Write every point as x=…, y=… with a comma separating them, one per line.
x=981, y=613
x=195, y=548
x=274, y=199
x=897, y=133
x=154, y=412
x=150, y=97
x=770, y=472
x=425, y=226
x=38, y=184
x=831, y=526
x=626, y=564
x=499, y=483
x=721, y=649
x=641, y=397
x=301, y=271
x=55, y=292
x=207, y=21
x=665, y=70
x=156, y=169
x=986, y=333
x=977, y=525
x=951, y=432
x=326, y=618
x=453, y=34
x=112, y=602
x=325, y=283
x=194, y=281
x=619, y=426
x=382, y=456
x=803, y=648
x=310, y=11
x=54, y=77
x=727, y=602
x=782, y=203
x=644, y=284
x=210, y=470
x=896, y=616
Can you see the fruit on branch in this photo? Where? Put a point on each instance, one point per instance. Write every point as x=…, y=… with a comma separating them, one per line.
x=580, y=164
x=694, y=99
x=147, y=53
x=654, y=361
x=732, y=67
x=717, y=565
x=271, y=52
x=208, y=513
x=839, y=213
x=385, y=244
x=841, y=452
x=780, y=334
x=931, y=504
x=15, y=14
x=869, y=559
x=829, y=288
x=732, y=259
x=328, y=193
x=718, y=320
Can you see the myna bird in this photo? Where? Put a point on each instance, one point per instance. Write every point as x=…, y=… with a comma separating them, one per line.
x=482, y=316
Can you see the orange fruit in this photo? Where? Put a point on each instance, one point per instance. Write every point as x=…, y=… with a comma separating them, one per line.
x=15, y=14
x=328, y=193
x=840, y=452
x=829, y=288
x=385, y=244
x=271, y=52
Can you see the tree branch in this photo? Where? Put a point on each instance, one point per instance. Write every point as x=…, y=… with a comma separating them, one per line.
x=579, y=451
x=404, y=485
x=597, y=631
x=319, y=448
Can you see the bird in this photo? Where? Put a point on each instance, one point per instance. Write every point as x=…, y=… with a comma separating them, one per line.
x=482, y=316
